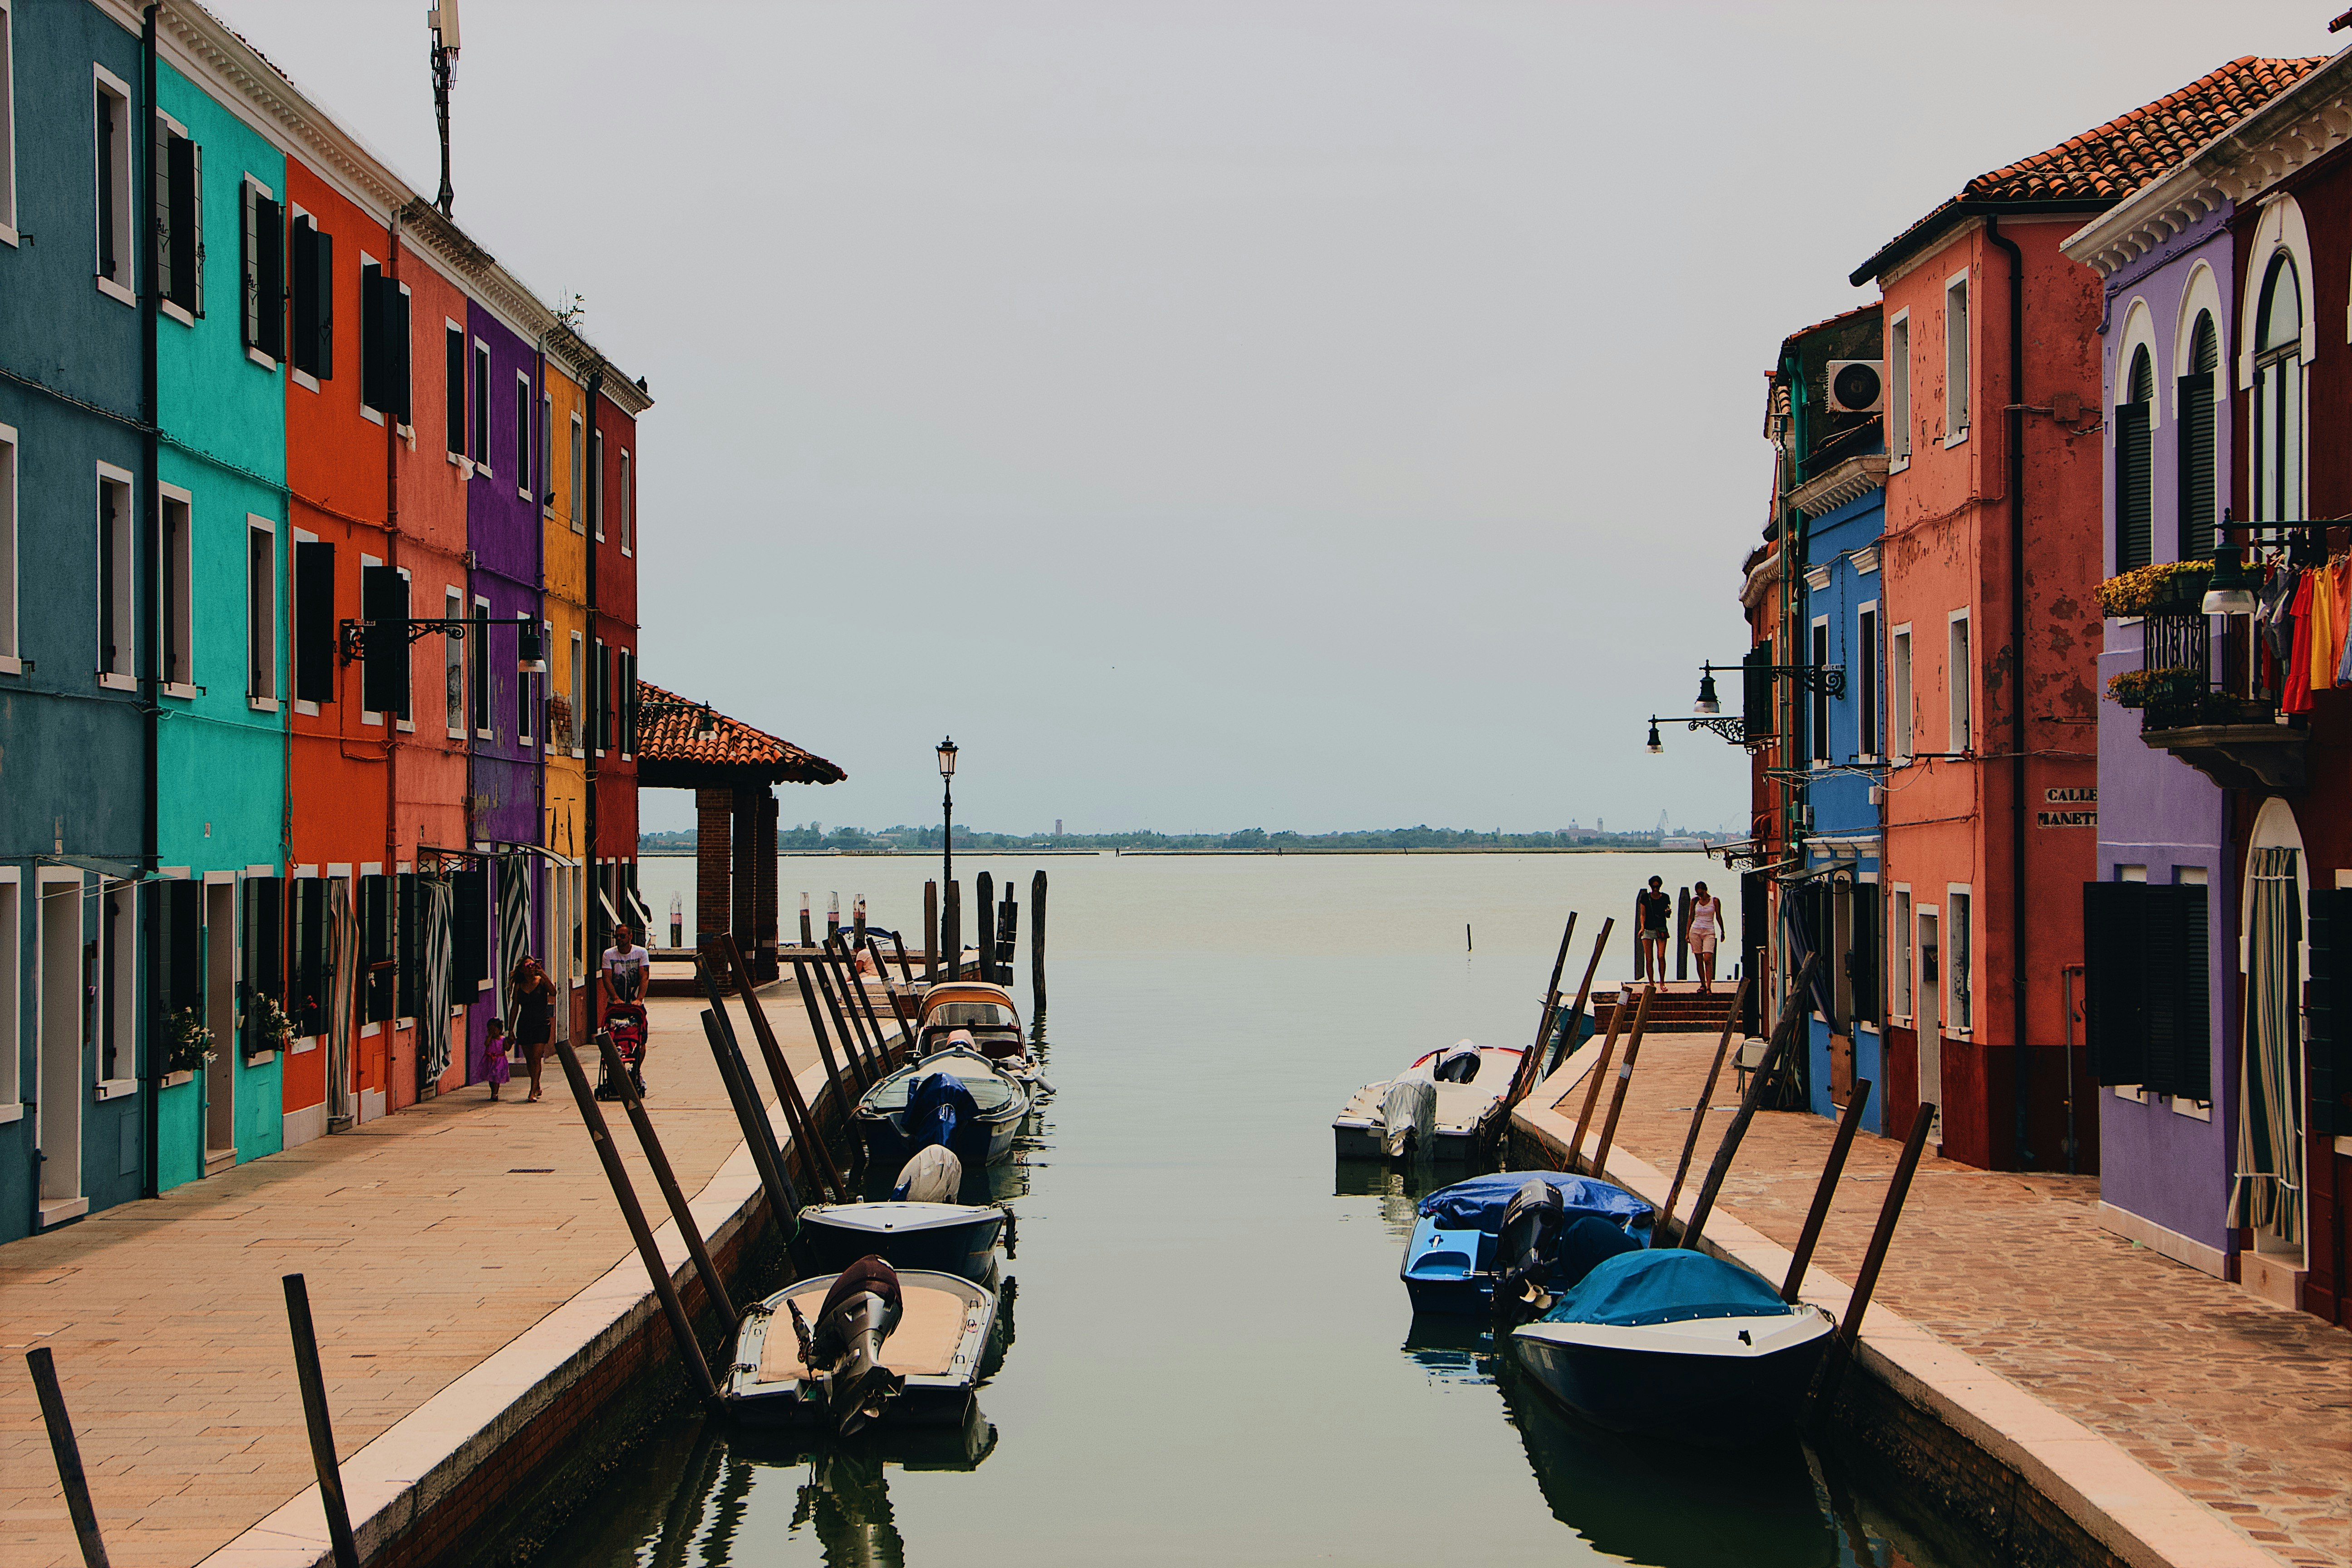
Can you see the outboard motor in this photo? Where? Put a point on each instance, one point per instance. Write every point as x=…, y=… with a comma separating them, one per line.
x=938, y=1107
x=1457, y=1063
x=845, y=1350
x=1526, y=1250
x=933, y=1176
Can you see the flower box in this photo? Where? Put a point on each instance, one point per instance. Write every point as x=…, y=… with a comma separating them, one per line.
x=2166, y=587
x=174, y=1080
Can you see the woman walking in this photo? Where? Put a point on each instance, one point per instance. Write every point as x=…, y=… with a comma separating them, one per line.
x=1706, y=930
x=534, y=1011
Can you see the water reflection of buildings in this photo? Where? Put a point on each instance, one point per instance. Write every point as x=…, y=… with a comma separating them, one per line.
x=1399, y=1188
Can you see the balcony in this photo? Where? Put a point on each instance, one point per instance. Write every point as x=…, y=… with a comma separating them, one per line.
x=2238, y=742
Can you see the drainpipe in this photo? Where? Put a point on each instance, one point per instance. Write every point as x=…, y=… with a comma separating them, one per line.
x=391, y=561
x=151, y=835
x=2022, y=1080
x=591, y=473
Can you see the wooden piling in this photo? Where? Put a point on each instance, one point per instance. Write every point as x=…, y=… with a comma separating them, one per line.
x=1037, y=945
x=1526, y=1073
x=1824, y=1190
x=759, y=1133
x=1705, y=1096
x=1793, y=1016
x=808, y=933
x=930, y=933
x=1008, y=933
x=1600, y=1072
x=673, y=1196
x=321, y=1425
x=853, y=985
x=1566, y=1028
x=681, y=1329
x=906, y=970
x=952, y=931
x=806, y=983
x=1682, y=934
x=1824, y=1393
x=1624, y=1082
x=67, y=1452
x=823, y=972
x=723, y=958
x=897, y=1010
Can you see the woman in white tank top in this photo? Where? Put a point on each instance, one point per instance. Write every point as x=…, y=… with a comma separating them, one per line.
x=1705, y=928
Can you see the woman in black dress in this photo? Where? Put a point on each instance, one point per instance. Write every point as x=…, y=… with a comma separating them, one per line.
x=534, y=1011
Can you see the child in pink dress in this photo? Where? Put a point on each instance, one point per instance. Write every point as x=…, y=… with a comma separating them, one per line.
x=494, y=1056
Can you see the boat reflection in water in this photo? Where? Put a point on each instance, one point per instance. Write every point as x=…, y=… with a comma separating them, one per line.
x=1400, y=1189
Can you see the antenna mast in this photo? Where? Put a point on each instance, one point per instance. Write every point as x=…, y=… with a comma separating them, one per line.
x=441, y=17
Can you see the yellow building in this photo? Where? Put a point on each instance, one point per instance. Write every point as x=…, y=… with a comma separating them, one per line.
x=563, y=517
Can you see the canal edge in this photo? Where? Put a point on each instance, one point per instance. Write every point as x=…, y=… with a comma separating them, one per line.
x=1978, y=1426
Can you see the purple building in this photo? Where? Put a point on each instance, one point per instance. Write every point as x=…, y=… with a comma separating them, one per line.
x=2165, y=260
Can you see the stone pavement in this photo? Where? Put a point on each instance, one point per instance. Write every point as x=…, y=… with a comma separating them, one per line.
x=429, y=1239
x=2243, y=1405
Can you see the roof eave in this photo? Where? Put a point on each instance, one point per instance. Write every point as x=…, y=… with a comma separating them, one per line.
x=1953, y=214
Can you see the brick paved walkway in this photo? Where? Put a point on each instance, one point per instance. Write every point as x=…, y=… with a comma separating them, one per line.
x=429, y=1239
x=2243, y=1405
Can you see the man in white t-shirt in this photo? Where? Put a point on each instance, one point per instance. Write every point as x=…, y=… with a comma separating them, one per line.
x=626, y=964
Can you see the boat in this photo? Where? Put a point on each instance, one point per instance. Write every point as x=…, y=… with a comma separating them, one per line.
x=956, y=1097
x=1450, y=1258
x=948, y=1239
x=915, y=1367
x=1388, y=1120
x=1672, y=1344
x=980, y=1016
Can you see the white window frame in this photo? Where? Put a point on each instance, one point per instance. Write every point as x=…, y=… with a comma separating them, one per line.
x=1928, y=912
x=460, y=459
x=579, y=694
x=523, y=428
x=1898, y=390
x=481, y=672
x=406, y=722
x=179, y=578
x=164, y=304
x=1958, y=392
x=368, y=412
x=8, y=234
x=11, y=646
x=546, y=497
x=1818, y=718
x=118, y=900
x=628, y=512
x=579, y=455
x=125, y=593
x=12, y=935
x=1959, y=683
x=1902, y=935
x=596, y=482
x=369, y=715
x=248, y=301
x=119, y=283
x=301, y=536
x=1902, y=692
x=261, y=701
x=1866, y=649
x=2196, y=877
x=1946, y=930
x=482, y=423
x=294, y=373
x=453, y=662
x=546, y=683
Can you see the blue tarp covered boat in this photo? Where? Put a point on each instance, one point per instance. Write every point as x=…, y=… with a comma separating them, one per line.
x=1676, y=1344
x=912, y=1107
x=1449, y=1261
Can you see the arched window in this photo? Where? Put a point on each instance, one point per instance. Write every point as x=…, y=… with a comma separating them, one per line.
x=2278, y=396
x=2195, y=442
x=2134, y=468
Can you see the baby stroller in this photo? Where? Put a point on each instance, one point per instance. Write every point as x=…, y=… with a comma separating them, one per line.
x=625, y=1023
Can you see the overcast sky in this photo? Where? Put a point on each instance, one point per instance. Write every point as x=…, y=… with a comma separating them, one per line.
x=1282, y=414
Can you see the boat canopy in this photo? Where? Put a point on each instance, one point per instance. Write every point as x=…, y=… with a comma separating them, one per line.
x=1665, y=1286
x=1479, y=1201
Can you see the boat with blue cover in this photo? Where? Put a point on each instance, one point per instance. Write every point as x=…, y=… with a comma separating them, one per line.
x=1676, y=1344
x=1449, y=1259
x=956, y=1098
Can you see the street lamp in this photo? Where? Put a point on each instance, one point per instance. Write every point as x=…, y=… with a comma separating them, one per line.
x=1655, y=745
x=2227, y=592
x=947, y=810
x=1707, y=702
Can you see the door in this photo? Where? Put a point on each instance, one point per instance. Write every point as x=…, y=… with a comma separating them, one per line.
x=1931, y=1017
x=220, y=1015
x=62, y=1081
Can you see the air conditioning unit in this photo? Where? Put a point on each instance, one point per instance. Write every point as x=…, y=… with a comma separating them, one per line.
x=1857, y=385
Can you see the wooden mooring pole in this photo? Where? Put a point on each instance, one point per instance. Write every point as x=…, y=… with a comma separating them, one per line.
x=721, y=958
x=983, y=926
x=1865, y=1284
x=1600, y=1074
x=1037, y=945
x=1624, y=1082
x=932, y=933
x=850, y=1042
x=1793, y=1016
x=1566, y=1028
x=854, y=983
x=1705, y=1097
x=759, y=1133
x=1524, y=1075
x=898, y=1009
x=67, y=1451
x=806, y=982
x=1824, y=1190
x=315, y=1415
x=952, y=931
x=674, y=1196
x=681, y=1329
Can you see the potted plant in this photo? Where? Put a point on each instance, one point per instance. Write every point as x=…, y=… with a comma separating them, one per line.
x=2129, y=689
x=270, y=1028
x=187, y=1046
x=2159, y=588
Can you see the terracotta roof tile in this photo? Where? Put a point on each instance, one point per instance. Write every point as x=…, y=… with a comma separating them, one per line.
x=666, y=737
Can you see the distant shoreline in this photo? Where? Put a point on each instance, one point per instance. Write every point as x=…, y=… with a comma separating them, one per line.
x=1131, y=854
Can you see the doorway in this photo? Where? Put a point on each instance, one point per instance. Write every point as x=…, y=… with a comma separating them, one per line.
x=1931, y=1016
x=220, y=1015
x=61, y=1014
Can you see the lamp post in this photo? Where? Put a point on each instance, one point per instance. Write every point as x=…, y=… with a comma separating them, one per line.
x=946, y=811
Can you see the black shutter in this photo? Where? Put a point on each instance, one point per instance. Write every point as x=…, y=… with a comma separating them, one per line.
x=2134, y=492
x=311, y=996
x=2193, y=1027
x=265, y=937
x=184, y=923
x=470, y=936
x=180, y=279
x=379, y=974
x=1755, y=691
x=374, y=386
x=303, y=289
x=2330, y=936
x=2161, y=961
x=323, y=291
x=314, y=621
x=107, y=132
x=395, y=309
x=383, y=671
x=454, y=347
x=1862, y=962
x=2197, y=467
x=269, y=277
x=2114, y=1027
x=407, y=960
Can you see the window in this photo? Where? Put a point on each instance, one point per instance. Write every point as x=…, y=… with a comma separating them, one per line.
x=115, y=623
x=1960, y=677
x=523, y=709
x=455, y=354
x=261, y=240
x=8, y=234
x=596, y=482
x=383, y=664
x=600, y=698
x=1899, y=672
x=1901, y=947
x=2135, y=467
x=1930, y=989
x=479, y=661
x=175, y=550
x=453, y=667
x=1821, y=714
x=549, y=704
x=523, y=436
x=1959, y=1012
x=383, y=343
x=547, y=453
x=312, y=297
x=2195, y=445
x=1865, y=684
x=314, y=621
x=260, y=614
x=626, y=500
x=379, y=974
x=179, y=218
x=2144, y=976
x=579, y=475
x=113, y=986
x=12, y=905
x=482, y=406
x=10, y=650
x=627, y=660
x=576, y=730
x=1956, y=360
x=112, y=152
x=1898, y=389
x=2278, y=396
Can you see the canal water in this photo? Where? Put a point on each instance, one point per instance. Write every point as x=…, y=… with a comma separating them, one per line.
x=1212, y=1359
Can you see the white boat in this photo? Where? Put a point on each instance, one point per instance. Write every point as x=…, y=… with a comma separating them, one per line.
x=1445, y=1105
x=928, y=1359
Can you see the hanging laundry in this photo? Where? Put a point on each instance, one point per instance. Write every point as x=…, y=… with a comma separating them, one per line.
x=2295, y=696
x=2271, y=601
x=2326, y=629
x=2342, y=663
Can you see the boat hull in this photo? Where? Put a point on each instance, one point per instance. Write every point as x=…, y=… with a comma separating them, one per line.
x=967, y=1246
x=1465, y=1120
x=985, y=1140
x=1638, y=1380
x=955, y=1329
